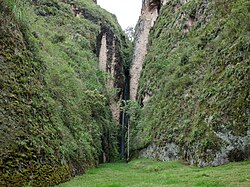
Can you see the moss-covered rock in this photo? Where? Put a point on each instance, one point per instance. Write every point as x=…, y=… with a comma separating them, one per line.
x=197, y=76
x=54, y=108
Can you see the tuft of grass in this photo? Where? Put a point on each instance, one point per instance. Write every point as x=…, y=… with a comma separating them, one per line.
x=18, y=8
x=151, y=173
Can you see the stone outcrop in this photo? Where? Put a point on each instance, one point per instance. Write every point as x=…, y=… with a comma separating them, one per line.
x=168, y=152
x=235, y=148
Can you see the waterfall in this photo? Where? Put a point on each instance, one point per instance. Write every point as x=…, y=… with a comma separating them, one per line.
x=124, y=116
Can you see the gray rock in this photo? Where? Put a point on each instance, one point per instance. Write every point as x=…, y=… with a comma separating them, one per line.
x=168, y=152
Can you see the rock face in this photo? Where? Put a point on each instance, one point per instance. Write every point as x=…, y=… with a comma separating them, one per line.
x=149, y=14
x=168, y=152
x=110, y=61
x=194, y=82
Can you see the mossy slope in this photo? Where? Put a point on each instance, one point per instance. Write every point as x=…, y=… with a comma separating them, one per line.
x=197, y=74
x=54, y=113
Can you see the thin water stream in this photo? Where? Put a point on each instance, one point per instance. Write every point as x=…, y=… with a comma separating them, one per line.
x=124, y=117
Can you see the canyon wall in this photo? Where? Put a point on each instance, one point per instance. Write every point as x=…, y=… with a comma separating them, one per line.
x=110, y=61
x=58, y=110
x=149, y=14
x=194, y=80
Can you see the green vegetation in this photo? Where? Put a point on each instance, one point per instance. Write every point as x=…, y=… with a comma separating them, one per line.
x=147, y=173
x=198, y=73
x=55, y=116
x=54, y=108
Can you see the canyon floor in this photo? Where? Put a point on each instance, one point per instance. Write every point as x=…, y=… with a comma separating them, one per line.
x=149, y=173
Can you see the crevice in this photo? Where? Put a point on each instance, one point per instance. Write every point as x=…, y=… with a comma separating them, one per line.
x=124, y=117
x=110, y=61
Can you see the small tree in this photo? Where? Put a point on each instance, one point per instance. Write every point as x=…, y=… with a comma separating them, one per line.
x=130, y=32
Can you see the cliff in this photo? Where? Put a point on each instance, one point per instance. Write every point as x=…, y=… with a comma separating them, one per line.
x=56, y=105
x=146, y=21
x=194, y=81
x=66, y=71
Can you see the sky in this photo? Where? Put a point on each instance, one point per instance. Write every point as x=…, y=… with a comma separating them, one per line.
x=126, y=11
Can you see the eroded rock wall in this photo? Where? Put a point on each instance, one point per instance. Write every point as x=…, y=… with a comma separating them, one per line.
x=108, y=50
x=110, y=61
x=149, y=14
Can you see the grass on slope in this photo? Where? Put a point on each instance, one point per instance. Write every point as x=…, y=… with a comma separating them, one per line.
x=149, y=173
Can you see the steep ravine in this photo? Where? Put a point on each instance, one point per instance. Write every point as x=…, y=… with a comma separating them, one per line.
x=190, y=76
x=117, y=80
x=69, y=91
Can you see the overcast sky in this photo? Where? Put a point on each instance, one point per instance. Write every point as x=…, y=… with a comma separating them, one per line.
x=126, y=11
